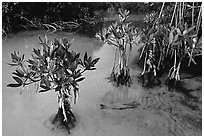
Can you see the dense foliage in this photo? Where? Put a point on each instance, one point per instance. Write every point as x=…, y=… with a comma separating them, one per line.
x=68, y=16
x=54, y=67
x=48, y=15
x=169, y=39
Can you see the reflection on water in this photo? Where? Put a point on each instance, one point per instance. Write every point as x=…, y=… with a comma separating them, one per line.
x=122, y=95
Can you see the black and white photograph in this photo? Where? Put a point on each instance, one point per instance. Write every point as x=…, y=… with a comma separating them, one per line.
x=101, y=68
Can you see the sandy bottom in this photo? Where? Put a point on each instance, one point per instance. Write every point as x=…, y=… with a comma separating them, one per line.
x=101, y=107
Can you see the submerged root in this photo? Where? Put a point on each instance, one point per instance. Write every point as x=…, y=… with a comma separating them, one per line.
x=149, y=80
x=59, y=120
x=121, y=79
x=172, y=83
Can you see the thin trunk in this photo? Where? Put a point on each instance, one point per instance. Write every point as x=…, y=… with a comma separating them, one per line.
x=177, y=14
x=119, y=62
x=114, y=63
x=160, y=58
x=183, y=10
x=193, y=15
x=175, y=60
x=142, y=52
x=177, y=72
x=180, y=16
x=145, y=61
x=129, y=56
x=173, y=14
x=199, y=20
x=161, y=9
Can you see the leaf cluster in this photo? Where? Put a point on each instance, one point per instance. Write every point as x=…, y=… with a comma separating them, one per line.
x=53, y=66
x=120, y=33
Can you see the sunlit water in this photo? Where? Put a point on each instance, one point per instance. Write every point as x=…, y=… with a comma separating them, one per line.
x=29, y=113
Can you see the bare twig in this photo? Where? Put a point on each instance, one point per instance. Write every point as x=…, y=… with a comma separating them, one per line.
x=22, y=17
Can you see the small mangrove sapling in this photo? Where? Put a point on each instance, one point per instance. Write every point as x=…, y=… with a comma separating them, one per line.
x=123, y=36
x=54, y=67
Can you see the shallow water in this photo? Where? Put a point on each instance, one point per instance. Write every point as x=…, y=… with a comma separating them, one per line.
x=159, y=112
x=24, y=114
